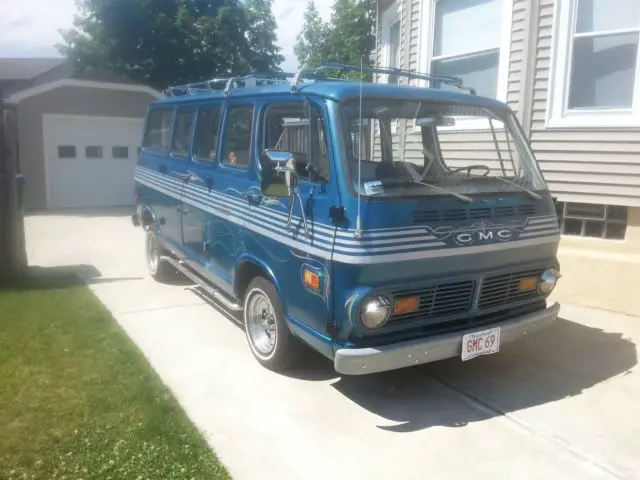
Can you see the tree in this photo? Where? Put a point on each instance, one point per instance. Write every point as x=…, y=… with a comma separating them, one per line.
x=262, y=35
x=310, y=42
x=164, y=42
x=349, y=37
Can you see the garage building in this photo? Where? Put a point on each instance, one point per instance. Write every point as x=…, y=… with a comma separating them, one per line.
x=78, y=134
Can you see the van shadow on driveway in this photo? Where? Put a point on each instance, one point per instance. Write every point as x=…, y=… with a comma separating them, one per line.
x=95, y=212
x=71, y=276
x=562, y=361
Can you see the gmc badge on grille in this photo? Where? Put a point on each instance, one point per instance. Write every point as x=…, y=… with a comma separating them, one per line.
x=468, y=238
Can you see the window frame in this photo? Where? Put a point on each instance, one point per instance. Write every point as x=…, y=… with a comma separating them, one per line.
x=264, y=109
x=389, y=17
x=172, y=110
x=99, y=150
x=563, y=215
x=178, y=110
x=427, y=42
x=229, y=107
x=221, y=113
x=118, y=157
x=558, y=114
x=75, y=151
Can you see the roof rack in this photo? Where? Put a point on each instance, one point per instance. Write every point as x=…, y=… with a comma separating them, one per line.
x=341, y=67
x=228, y=83
x=255, y=78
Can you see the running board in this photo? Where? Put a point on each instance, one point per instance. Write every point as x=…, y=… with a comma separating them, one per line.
x=211, y=291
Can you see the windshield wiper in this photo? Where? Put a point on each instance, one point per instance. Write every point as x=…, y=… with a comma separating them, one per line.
x=459, y=196
x=530, y=192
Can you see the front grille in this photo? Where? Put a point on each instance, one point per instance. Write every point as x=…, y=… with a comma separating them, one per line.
x=504, y=289
x=440, y=300
x=474, y=213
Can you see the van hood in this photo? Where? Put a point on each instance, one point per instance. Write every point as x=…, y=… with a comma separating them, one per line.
x=414, y=231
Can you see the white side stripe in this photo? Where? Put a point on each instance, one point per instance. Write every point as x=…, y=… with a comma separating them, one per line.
x=272, y=224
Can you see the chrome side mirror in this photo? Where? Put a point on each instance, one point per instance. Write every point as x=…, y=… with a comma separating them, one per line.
x=278, y=175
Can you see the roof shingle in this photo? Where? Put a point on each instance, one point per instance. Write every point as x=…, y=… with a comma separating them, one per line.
x=27, y=68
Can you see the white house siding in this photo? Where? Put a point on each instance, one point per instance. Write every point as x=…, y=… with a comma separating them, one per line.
x=519, y=29
x=581, y=165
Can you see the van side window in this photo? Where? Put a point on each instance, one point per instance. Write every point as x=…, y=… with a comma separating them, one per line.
x=206, y=142
x=158, y=132
x=299, y=128
x=181, y=146
x=237, y=145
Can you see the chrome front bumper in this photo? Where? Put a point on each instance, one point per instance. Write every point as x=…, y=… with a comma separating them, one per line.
x=361, y=361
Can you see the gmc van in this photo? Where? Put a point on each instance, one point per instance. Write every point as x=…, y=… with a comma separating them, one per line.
x=382, y=225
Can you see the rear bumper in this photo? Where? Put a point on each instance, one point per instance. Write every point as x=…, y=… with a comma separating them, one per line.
x=360, y=361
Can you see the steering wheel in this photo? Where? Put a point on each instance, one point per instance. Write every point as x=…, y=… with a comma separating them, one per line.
x=473, y=167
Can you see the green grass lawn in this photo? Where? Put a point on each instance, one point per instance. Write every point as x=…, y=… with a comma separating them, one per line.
x=77, y=398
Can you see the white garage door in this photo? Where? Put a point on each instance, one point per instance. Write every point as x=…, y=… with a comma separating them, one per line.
x=90, y=160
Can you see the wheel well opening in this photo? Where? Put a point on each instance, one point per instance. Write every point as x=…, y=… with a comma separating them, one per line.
x=247, y=272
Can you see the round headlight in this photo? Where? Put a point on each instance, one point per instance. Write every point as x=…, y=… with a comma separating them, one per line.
x=548, y=280
x=375, y=312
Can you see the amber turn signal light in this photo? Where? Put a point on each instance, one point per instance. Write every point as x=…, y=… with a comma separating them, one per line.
x=528, y=284
x=405, y=305
x=311, y=279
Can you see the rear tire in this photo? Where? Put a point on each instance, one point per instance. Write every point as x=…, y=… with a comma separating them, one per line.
x=159, y=269
x=268, y=335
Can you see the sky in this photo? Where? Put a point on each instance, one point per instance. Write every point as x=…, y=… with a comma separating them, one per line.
x=29, y=28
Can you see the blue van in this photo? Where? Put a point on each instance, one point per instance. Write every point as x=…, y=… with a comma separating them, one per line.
x=382, y=225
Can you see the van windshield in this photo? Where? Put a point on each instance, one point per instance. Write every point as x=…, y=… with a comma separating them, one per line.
x=417, y=147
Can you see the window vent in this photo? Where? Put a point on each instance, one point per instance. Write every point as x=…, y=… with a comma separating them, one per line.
x=457, y=214
x=426, y=216
x=431, y=216
x=480, y=213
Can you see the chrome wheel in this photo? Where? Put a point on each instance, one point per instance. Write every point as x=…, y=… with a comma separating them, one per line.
x=153, y=252
x=261, y=324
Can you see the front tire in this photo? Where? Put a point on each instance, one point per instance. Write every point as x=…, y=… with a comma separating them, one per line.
x=268, y=335
x=158, y=269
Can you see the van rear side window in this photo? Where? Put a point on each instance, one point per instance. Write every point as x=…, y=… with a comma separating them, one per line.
x=206, y=142
x=158, y=134
x=181, y=145
x=237, y=145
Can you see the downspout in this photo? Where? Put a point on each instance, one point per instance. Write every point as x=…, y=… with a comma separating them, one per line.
x=530, y=56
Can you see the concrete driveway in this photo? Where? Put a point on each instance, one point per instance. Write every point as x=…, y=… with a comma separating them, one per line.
x=564, y=404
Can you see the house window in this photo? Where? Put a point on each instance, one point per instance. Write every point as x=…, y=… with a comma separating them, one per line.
x=394, y=50
x=93, y=151
x=466, y=43
x=66, y=151
x=596, y=72
x=469, y=39
x=390, y=39
x=120, y=152
x=592, y=220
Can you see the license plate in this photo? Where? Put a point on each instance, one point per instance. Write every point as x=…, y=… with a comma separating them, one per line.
x=480, y=343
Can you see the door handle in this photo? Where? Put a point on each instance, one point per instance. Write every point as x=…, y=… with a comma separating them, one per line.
x=185, y=177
